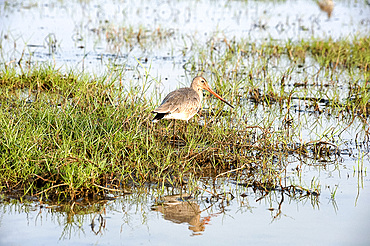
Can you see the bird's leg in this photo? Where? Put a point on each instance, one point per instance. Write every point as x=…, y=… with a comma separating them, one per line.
x=168, y=128
x=174, y=125
x=185, y=133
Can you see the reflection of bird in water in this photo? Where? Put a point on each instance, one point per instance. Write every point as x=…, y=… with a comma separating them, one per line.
x=326, y=6
x=180, y=209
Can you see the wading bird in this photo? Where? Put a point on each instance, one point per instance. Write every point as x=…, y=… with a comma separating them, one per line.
x=184, y=103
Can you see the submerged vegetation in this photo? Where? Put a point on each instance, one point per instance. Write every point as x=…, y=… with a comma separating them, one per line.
x=68, y=135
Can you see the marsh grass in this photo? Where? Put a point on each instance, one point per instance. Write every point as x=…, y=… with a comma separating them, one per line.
x=66, y=135
x=69, y=136
x=129, y=37
x=316, y=71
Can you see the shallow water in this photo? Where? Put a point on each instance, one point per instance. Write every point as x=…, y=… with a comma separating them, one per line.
x=75, y=35
x=275, y=219
x=70, y=35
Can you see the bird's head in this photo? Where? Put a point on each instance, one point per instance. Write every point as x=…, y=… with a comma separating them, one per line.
x=200, y=83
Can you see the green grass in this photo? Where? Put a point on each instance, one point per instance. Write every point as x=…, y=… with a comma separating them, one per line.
x=84, y=138
x=274, y=72
x=69, y=135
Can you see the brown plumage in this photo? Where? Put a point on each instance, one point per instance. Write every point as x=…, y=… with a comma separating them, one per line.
x=184, y=103
x=326, y=6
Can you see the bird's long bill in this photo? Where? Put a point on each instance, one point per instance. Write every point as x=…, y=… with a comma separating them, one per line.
x=218, y=96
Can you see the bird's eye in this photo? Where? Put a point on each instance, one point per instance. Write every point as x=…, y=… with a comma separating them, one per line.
x=202, y=81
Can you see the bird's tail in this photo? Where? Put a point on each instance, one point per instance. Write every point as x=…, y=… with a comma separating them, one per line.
x=157, y=117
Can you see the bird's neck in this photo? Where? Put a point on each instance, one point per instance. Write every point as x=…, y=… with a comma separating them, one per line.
x=199, y=91
x=200, y=94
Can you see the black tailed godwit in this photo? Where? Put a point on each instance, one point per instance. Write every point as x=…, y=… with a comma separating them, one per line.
x=184, y=103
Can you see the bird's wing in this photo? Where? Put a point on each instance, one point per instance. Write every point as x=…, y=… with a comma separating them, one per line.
x=181, y=100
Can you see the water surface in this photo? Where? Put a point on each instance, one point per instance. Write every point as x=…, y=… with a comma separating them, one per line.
x=73, y=35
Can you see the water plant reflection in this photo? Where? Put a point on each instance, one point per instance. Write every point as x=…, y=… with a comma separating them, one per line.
x=77, y=218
